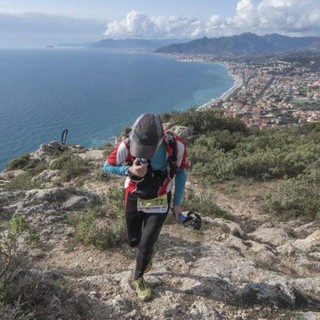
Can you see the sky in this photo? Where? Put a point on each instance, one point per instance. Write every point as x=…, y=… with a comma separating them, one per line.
x=50, y=22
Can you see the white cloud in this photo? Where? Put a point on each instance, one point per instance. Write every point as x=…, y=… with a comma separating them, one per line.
x=290, y=17
x=137, y=24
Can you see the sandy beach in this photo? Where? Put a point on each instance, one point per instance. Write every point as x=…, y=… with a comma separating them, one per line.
x=226, y=95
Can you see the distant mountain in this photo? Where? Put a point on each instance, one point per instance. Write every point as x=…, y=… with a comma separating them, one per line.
x=244, y=43
x=134, y=44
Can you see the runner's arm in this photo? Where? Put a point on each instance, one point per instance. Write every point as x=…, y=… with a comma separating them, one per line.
x=115, y=162
x=180, y=183
x=121, y=170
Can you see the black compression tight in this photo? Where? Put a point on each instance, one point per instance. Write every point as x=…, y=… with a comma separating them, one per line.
x=143, y=230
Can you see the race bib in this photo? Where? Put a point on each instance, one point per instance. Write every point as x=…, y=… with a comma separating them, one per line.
x=155, y=205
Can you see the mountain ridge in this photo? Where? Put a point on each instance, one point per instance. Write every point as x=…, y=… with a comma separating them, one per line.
x=133, y=44
x=243, y=43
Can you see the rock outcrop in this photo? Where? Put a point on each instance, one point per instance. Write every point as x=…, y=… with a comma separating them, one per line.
x=246, y=267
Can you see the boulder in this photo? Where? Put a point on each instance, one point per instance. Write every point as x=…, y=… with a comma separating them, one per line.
x=273, y=236
x=46, y=175
x=309, y=244
x=182, y=131
x=67, y=198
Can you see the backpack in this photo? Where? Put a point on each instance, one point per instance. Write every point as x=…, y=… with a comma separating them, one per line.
x=172, y=159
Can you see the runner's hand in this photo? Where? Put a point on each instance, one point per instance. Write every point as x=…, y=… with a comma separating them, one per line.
x=176, y=211
x=138, y=169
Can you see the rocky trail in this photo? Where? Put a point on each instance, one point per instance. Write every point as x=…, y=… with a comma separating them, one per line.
x=249, y=266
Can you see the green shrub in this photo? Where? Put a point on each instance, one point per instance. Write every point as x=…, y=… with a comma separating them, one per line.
x=107, y=149
x=166, y=117
x=203, y=203
x=14, y=312
x=22, y=182
x=271, y=154
x=30, y=294
x=24, y=162
x=296, y=197
x=100, y=175
x=11, y=234
x=27, y=294
x=71, y=165
x=18, y=163
x=207, y=120
x=103, y=226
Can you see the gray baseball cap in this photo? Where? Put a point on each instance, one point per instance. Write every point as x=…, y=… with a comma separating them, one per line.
x=146, y=136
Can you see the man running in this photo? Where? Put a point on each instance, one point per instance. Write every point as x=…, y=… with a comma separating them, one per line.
x=152, y=161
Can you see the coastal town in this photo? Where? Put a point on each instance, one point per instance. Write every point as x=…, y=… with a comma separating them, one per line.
x=268, y=91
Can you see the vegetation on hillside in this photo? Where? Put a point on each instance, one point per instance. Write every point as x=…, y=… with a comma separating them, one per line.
x=224, y=149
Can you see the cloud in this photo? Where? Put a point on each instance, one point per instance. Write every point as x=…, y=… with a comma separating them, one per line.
x=290, y=17
x=137, y=24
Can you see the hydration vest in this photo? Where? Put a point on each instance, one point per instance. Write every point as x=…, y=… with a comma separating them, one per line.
x=172, y=159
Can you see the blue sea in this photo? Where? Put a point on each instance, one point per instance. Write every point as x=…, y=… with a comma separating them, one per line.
x=92, y=93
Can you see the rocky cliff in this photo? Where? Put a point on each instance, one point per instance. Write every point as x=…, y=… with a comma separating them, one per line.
x=246, y=265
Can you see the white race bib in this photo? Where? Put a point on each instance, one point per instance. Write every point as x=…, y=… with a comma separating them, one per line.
x=155, y=205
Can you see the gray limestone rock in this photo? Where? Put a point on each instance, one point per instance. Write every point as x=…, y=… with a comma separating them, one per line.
x=46, y=175
x=309, y=244
x=77, y=202
x=273, y=236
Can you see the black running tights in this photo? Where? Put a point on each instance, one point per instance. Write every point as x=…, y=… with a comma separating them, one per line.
x=143, y=230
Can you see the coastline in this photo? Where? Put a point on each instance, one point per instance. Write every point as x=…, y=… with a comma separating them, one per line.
x=73, y=104
x=238, y=83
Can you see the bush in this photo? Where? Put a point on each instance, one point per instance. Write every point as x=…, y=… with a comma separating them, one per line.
x=24, y=162
x=205, y=121
x=24, y=180
x=18, y=163
x=203, y=203
x=71, y=165
x=272, y=154
x=14, y=312
x=107, y=149
x=11, y=235
x=297, y=197
x=103, y=227
x=21, y=182
x=30, y=294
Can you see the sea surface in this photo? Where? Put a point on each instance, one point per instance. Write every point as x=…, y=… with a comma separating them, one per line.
x=92, y=93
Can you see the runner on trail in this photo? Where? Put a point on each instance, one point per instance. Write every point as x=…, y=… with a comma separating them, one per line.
x=153, y=161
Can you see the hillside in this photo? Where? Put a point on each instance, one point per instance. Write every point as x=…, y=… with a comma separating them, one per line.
x=132, y=44
x=247, y=262
x=244, y=43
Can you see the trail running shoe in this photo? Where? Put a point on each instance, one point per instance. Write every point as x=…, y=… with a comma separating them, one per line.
x=149, y=266
x=143, y=291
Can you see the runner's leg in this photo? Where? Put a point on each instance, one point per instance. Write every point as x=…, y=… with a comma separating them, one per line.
x=151, y=230
x=134, y=220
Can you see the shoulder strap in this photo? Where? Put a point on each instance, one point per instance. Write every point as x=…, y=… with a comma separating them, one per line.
x=126, y=140
x=130, y=158
x=172, y=160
